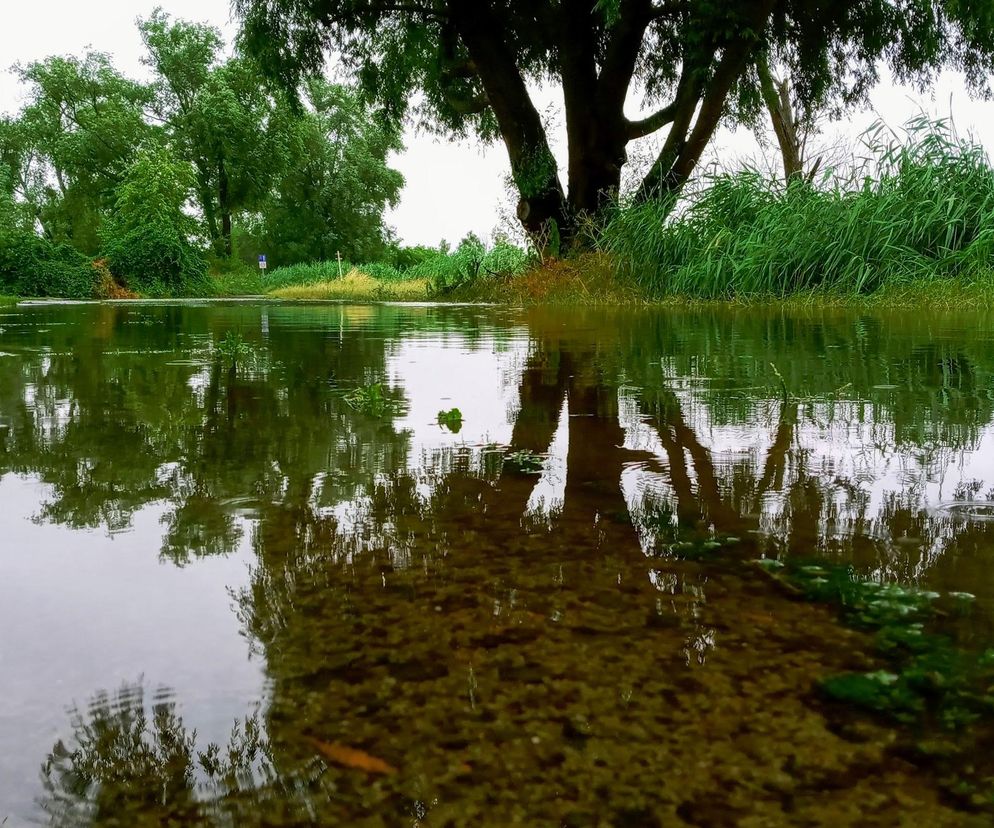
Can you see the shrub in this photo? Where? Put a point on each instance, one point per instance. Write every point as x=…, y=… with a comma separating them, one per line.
x=147, y=239
x=33, y=266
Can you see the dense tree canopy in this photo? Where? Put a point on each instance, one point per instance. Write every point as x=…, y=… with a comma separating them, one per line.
x=151, y=174
x=330, y=198
x=76, y=138
x=467, y=65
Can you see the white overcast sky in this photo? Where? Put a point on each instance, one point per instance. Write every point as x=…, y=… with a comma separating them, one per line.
x=452, y=188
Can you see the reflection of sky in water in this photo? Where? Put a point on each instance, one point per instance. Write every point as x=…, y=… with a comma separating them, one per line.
x=113, y=612
x=87, y=610
x=861, y=470
x=480, y=379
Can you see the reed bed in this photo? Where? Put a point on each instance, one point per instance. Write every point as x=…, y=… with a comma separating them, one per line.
x=913, y=213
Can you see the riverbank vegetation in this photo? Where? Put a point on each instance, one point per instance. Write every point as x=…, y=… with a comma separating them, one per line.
x=112, y=187
x=912, y=221
x=171, y=182
x=919, y=210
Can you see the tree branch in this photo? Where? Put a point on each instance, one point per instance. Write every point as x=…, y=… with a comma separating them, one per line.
x=622, y=54
x=655, y=122
x=677, y=161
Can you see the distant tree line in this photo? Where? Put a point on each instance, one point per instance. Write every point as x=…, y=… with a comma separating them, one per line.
x=202, y=161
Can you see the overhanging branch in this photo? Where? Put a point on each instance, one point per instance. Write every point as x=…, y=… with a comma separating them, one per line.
x=656, y=121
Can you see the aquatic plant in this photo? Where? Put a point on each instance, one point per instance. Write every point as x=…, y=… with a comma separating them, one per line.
x=451, y=419
x=927, y=677
x=525, y=462
x=370, y=400
x=233, y=347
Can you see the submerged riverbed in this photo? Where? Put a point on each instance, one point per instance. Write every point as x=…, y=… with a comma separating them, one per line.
x=248, y=574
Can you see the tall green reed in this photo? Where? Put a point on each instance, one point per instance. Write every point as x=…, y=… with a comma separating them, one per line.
x=918, y=206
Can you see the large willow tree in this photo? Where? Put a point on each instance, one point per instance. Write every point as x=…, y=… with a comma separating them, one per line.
x=467, y=66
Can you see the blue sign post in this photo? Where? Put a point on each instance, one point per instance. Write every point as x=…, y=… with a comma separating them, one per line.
x=262, y=262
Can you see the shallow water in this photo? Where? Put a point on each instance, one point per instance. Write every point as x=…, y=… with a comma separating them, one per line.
x=229, y=597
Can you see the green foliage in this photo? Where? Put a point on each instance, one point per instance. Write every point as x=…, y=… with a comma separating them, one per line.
x=384, y=272
x=928, y=678
x=233, y=348
x=33, y=266
x=924, y=210
x=370, y=400
x=404, y=258
x=306, y=182
x=230, y=277
x=304, y=274
x=329, y=197
x=694, y=62
x=147, y=238
x=219, y=117
x=73, y=142
x=444, y=270
x=451, y=419
x=524, y=461
x=447, y=271
x=234, y=159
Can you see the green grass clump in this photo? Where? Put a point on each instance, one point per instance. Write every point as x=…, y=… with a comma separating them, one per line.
x=925, y=214
x=356, y=287
x=371, y=400
x=414, y=273
x=305, y=273
x=233, y=277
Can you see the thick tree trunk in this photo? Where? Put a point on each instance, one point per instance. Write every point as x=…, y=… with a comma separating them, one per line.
x=595, y=78
x=205, y=192
x=542, y=205
x=594, y=103
x=594, y=95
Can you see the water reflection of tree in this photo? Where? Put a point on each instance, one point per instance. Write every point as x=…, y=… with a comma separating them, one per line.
x=112, y=426
x=117, y=421
x=332, y=587
x=130, y=763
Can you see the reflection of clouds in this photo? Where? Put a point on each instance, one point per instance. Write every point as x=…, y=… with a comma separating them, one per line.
x=846, y=474
x=437, y=373
x=549, y=495
x=80, y=610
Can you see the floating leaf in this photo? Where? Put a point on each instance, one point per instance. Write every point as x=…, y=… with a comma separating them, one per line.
x=451, y=419
x=350, y=757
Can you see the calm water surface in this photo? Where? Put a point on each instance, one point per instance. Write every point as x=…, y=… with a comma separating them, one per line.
x=229, y=597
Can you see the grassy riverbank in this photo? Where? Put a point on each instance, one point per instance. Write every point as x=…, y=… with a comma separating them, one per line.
x=357, y=287
x=911, y=224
